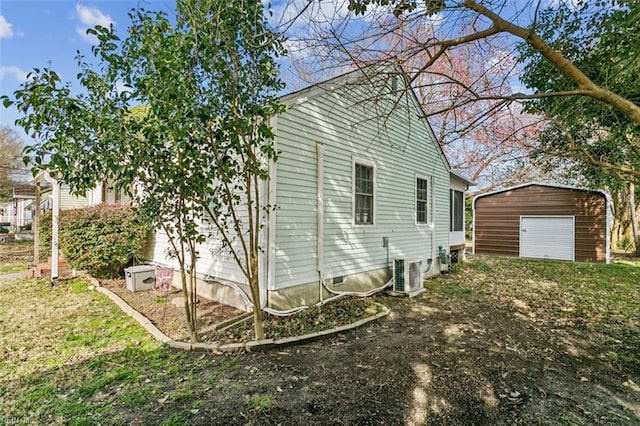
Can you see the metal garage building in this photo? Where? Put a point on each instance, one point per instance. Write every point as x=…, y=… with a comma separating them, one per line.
x=543, y=221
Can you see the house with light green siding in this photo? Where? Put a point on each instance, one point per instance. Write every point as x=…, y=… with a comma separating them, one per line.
x=361, y=191
x=68, y=201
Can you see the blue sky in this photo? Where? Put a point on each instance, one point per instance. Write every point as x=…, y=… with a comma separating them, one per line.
x=48, y=33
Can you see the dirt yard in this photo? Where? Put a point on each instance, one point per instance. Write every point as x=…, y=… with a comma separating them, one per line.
x=454, y=355
x=500, y=342
x=448, y=362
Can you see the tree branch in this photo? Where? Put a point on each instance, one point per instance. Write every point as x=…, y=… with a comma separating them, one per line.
x=558, y=60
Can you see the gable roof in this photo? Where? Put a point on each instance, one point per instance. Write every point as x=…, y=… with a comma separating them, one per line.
x=24, y=191
x=317, y=89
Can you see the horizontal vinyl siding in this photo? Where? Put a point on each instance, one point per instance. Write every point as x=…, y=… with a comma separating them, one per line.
x=214, y=259
x=68, y=201
x=400, y=147
x=296, y=228
x=497, y=219
x=212, y=262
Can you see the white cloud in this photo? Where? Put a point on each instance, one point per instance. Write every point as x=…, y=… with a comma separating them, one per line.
x=13, y=71
x=90, y=17
x=6, y=29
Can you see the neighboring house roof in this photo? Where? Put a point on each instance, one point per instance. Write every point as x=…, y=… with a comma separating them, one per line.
x=547, y=184
x=302, y=95
x=24, y=191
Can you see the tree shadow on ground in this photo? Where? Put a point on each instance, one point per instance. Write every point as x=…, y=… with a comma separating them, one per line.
x=431, y=361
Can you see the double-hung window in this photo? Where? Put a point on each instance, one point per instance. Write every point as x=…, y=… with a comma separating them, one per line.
x=457, y=211
x=363, y=193
x=422, y=201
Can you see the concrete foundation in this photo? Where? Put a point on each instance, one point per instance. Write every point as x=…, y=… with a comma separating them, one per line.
x=291, y=297
x=309, y=293
x=214, y=290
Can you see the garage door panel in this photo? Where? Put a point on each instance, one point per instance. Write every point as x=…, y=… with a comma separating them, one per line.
x=547, y=237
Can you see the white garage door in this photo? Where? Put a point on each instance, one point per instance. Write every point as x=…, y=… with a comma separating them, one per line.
x=547, y=237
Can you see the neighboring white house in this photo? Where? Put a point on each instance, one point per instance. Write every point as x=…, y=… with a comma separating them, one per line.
x=362, y=191
x=67, y=200
x=107, y=193
x=18, y=212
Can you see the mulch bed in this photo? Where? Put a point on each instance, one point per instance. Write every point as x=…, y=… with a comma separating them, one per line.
x=166, y=312
x=169, y=317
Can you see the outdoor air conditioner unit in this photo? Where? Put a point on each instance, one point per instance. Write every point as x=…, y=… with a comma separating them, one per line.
x=407, y=277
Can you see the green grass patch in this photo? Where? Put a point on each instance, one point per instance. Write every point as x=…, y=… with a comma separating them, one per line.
x=9, y=267
x=599, y=297
x=262, y=402
x=70, y=356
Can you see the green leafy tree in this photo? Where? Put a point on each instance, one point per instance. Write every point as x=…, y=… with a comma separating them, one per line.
x=178, y=114
x=606, y=48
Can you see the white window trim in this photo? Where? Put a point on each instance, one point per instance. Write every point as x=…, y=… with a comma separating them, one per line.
x=429, y=222
x=368, y=163
x=452, y=212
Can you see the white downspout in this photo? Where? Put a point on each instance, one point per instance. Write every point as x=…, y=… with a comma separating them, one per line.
x=320, y=215
x=263, y=256
x=270, y=244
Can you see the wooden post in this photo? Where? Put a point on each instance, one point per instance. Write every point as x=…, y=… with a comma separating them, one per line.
x=35, y=227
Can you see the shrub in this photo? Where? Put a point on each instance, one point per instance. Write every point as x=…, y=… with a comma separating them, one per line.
x=103, y=239
x=44, y=233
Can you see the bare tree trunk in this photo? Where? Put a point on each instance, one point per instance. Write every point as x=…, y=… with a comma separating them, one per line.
x=189, y=306
x=188, y=288
x=617, y=230
x=258, y=327
x=35, y=227
x=634, y=218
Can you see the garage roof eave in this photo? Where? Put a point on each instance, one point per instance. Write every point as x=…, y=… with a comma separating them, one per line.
x=547, y=184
